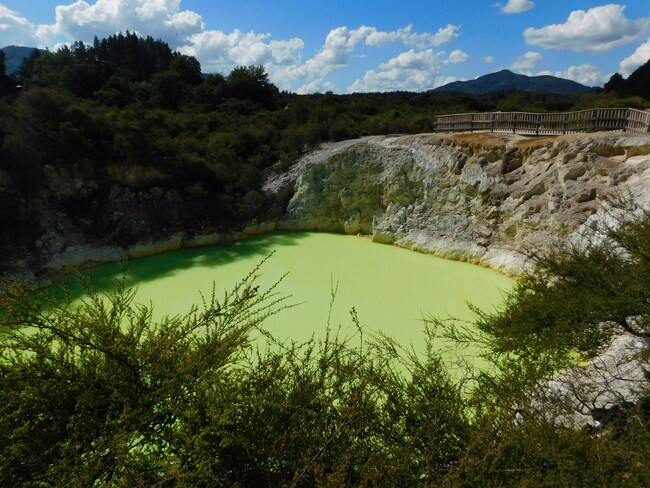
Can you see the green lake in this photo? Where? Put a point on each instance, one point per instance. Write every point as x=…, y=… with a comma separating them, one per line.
x=390, y=288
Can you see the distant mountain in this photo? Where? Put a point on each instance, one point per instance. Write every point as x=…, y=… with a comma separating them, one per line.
x=507, y=80
x=14, y=56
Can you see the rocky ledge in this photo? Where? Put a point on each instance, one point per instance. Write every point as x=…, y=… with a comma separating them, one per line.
x=479, y=197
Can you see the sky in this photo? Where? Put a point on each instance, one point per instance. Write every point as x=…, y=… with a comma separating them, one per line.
x=349, y=46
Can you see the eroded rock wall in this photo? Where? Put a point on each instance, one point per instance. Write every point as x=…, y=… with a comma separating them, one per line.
x=480, y=197
x=483, y=198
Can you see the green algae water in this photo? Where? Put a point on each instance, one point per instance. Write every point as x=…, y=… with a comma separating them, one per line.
x=390, y=288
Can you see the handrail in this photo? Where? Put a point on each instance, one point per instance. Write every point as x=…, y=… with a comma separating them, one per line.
x=591, y=120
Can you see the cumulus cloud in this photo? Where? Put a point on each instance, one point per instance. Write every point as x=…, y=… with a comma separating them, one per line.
x=527, y=62
x=157, y=18
x=15, y=30
x=410, y=70
x=457, y=57
x=638, y=58
x=515, y=6
x=220, y=51
x=488, y=59
x=376, y=38
x=185, y=31
x=599, y=29
x=317, y=86
x=585, y=74
x=342, y=41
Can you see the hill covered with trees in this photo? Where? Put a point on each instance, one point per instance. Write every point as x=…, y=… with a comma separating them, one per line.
x=506, y=80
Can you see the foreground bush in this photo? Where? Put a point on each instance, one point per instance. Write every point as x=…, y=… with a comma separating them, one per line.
x=100, y=394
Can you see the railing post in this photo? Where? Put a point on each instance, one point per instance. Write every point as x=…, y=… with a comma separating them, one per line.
x=492, y=123
x=593, y=120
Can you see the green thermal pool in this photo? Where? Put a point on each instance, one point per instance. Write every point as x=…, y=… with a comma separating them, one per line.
x=390, y=288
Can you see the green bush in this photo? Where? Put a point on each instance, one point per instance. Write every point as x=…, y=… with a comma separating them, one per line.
x=100, y=394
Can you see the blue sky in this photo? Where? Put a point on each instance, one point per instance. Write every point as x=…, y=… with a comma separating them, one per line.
x=360, y=45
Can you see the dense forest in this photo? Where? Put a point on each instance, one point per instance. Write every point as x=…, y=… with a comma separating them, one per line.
x=102, y=395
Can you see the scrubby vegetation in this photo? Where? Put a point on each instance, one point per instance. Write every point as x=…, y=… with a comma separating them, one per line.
x=103, y=395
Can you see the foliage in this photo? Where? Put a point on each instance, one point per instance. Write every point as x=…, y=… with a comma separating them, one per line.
x=602, y=282
x=635, y=85
x=104, y=394
x=563, y=310
x=7, y=84
x=101, y=394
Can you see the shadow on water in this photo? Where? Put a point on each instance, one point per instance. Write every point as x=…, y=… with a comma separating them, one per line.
x=170, y=263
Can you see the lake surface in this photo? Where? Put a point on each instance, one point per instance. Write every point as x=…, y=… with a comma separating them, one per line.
x=390, y=288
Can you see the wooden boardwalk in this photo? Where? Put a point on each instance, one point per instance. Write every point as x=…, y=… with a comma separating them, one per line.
x=542, y=124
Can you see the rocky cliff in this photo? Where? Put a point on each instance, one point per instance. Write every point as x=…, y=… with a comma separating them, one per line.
x=483, y=198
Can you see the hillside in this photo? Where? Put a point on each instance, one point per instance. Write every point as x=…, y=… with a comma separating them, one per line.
x=14, y=56
x=506, y=80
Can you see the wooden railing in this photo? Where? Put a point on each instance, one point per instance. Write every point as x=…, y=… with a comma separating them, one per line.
x=597, y=119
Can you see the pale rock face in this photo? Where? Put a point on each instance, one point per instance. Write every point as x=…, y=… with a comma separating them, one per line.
x=483, y=198
x=478, y=197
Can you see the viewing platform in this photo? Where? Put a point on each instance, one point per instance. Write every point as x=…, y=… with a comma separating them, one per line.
x=543, y=124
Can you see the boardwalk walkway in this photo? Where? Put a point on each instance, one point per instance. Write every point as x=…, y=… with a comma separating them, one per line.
x=597, y=119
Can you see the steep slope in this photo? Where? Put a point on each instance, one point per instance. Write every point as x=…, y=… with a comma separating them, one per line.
x=484, y=198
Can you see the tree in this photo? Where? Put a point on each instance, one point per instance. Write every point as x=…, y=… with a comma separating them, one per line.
x=536, y=427
x=251, y=83
x=637, y=84
x=7, y=84
x=615, y=84
x=65, y=72
x=26, y=68
x=188, y=68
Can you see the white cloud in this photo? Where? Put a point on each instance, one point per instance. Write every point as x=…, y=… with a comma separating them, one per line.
x=220, y=51
x=515, y=6
x=184, y=30
x=444, y=35
x=410, y=70
x=15, y=30
x=458, y=57
x=317, y=86
x=527, y=62
x=342, y=41
x=585, y=74
x=638, y=58
x=157, y=18
x=488, y=59
x=599, y=29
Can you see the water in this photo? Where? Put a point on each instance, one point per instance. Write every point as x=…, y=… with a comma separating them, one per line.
x=390, y=288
